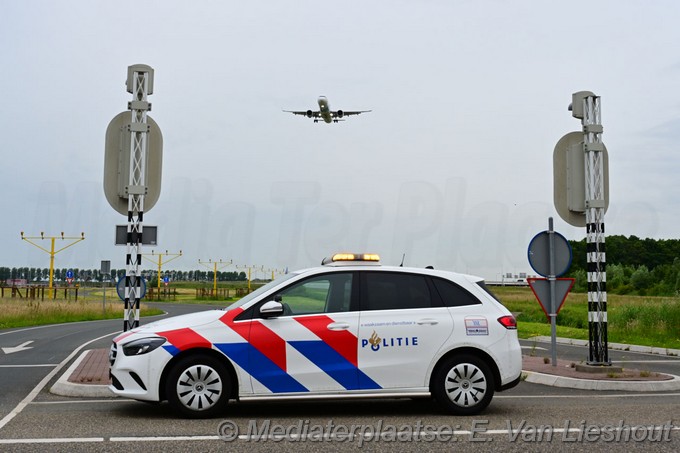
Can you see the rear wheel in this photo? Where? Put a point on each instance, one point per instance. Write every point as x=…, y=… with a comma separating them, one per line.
x=463, y=385
x=198, y=386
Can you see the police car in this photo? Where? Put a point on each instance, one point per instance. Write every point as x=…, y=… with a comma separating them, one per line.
x=349, y=328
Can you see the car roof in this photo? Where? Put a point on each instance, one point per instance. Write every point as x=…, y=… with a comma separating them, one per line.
x=453, y=276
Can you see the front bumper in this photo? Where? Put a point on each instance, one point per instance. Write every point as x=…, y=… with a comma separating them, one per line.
x=137, y=377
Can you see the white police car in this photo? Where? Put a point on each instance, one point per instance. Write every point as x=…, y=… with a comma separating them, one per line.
x=349, y=328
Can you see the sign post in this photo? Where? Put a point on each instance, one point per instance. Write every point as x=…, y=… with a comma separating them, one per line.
x=550, y=256
x=166, y=281
x=104, y=271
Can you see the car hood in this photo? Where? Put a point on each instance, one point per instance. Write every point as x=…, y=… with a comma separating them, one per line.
x=190, y=320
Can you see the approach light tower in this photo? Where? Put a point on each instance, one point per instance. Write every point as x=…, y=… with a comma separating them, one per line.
x=250, y=271
x=214, y=265
x=51, y=251
x=161, y=262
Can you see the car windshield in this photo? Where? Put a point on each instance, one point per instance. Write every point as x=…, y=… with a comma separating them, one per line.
x=259, y=291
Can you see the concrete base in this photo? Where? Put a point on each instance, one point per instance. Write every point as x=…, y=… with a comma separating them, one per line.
x=605, y=369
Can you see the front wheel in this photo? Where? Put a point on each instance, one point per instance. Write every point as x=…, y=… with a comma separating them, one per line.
x=463, y=384
x=198, y=386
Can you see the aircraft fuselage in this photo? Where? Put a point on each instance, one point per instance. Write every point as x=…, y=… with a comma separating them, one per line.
x=325, y=109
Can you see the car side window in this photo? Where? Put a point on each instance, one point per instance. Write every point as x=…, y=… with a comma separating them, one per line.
x=329, y=293
x=453, y=295
x=395, y=291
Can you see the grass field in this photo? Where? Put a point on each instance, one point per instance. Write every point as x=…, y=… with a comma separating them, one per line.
x=177, y=295
x=23, y=313
x=640, y=320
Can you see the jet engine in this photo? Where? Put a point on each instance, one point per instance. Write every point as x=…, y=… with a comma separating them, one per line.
x=340, y=113
x=309, y=113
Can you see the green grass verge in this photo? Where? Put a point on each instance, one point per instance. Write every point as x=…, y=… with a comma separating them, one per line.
x=535, y=329
x=638, y=320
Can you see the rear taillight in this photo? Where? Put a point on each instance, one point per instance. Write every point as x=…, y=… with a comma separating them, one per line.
x=508, y=322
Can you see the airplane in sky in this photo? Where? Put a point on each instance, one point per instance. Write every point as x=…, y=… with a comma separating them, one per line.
x=325, y=113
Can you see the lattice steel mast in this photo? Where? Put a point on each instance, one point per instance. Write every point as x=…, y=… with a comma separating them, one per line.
x=138, y=84
x=595, y=205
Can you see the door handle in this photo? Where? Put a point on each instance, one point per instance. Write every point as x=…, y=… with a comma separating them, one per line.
x=338, y=326
x=429, y=321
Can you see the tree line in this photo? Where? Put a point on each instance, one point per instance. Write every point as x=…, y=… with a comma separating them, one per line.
x=39, y=275
x=634, y=266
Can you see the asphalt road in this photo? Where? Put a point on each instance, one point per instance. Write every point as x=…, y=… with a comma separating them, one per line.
x=29, y=355
x=548, y=418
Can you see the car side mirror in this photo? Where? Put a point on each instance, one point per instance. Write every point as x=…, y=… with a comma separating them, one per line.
x=271, y=309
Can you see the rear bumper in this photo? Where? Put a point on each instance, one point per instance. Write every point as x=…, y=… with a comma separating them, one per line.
x=511, y=384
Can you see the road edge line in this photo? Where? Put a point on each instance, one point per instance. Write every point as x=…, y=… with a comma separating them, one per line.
x=33, y=393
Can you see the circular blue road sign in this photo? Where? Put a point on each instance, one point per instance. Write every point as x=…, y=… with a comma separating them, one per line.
x=539, y=253
x=120, y=288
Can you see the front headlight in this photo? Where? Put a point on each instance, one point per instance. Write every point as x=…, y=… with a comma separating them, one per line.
x=143, y=345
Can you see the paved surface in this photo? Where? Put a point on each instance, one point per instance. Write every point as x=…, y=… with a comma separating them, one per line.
x=614, y=346
x=89, y=374
x=564, y=374
x=93, y=368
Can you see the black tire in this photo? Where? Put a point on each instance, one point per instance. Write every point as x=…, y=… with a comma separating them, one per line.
x=463, y=385
x=198, y=386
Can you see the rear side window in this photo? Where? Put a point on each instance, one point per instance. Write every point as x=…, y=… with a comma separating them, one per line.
x=395, y=291
x=486, y=289
x=453, y=295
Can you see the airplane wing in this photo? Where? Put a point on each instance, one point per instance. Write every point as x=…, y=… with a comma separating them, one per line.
x=307, y=113
x=341, y=113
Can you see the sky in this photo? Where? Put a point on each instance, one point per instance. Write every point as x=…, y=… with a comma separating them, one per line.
x=451, y=168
